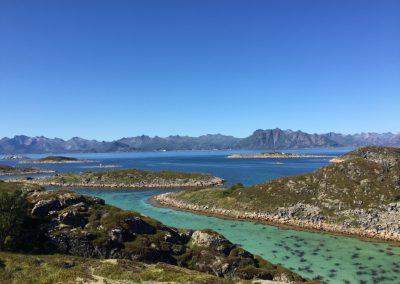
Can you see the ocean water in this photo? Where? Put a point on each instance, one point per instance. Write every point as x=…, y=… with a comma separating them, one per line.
x=334, y=259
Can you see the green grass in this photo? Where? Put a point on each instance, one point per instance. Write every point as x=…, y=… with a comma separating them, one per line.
x=9, y=187
x=45, y=269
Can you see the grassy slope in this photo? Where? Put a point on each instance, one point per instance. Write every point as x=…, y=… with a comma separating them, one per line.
x=356, y=183
x=9, y=187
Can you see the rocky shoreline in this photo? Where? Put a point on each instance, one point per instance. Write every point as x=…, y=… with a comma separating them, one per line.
x=166, y=200
x=140, y=185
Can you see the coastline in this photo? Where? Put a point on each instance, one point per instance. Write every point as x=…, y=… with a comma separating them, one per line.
x=29, y=173
x=198, y=184
x=163, y=200
x=56, y=162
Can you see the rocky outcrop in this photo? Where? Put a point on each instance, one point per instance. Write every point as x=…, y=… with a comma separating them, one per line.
x=79, y=225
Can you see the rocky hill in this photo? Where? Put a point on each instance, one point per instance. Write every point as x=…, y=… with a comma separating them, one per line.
x=130, y=178
x=68, y=223
x=360, y=196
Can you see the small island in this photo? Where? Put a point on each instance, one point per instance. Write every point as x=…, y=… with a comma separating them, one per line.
x=130, y=178
x=274, y=155
x=13, y=157
x=10, y=171
x=56, y=160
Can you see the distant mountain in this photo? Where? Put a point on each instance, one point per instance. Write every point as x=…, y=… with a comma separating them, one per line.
x=261, y=139
x=364, y=139
x=285, y=139
x=40, y=144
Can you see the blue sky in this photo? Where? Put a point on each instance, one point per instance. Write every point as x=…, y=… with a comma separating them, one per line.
x=108, y=69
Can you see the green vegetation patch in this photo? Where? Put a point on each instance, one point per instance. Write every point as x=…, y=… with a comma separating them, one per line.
x=57, y=159
x=47, y=269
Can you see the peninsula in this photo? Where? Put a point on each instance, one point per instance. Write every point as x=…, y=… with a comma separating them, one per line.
x=10, y=171
x=56, y=160
x=82, y=240
x=275, y=155
x=358, y=196
x=130, y=178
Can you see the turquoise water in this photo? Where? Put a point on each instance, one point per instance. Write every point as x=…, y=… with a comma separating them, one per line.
x=334, y=259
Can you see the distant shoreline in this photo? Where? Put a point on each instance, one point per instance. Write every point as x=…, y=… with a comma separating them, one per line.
x=276, y=155
x=29, y=173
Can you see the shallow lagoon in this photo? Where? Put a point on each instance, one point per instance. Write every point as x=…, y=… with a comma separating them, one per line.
x=335, y=259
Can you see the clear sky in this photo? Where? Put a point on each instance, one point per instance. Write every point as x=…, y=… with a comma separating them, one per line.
x=108, y=69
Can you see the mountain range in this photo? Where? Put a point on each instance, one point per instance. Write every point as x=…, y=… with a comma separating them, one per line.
x=269, y=139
